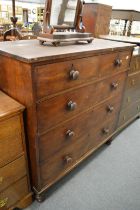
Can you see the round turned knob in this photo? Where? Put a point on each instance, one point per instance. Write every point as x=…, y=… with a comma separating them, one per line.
x=68, y=159
x=118, y=62
x=114, y=85
x=74, y=74
x=110, y=108
x=106, y=130
x=71, y=105
x=70, y=134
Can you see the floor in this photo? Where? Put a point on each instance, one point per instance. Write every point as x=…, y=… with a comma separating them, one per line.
x=107, y=180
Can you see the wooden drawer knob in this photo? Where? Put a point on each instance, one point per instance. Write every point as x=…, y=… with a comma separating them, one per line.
x=105, y=130
x=110, y=108
x=118, y=62
x=3, y=202
x=114, y=85
x=71, y=105
x=68, y=159
x=74, y=75
x=70, y=134
x=1, y=180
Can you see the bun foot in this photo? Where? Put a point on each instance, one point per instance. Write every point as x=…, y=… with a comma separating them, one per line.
x=109, y=142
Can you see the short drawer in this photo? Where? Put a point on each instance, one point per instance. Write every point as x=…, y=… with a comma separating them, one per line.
x=114, y=62
x=56, y=77
x=68, y=157
x=65, y=106
x=132, y=90
x=129, y=113
x=77, y=128
x=12, y=172
x=10, y=140
x=15, y=192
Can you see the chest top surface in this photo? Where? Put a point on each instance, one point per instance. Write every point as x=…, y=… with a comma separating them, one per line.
x=30, y=51
x=8, y=106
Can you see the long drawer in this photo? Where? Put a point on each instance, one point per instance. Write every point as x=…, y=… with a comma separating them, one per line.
x=10, y=140
x=132, y=90
x=15, y=192
x=56, y=77
x=12, y=172
x=65, y=159
x=129, y=113
x=77, y=128
x=65, y=106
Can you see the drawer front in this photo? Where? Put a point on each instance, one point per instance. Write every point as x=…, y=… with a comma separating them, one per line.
x=10, y=140
x=56, y=77
x=114, y=62
x=69, y=132
x=135, y=64
x=69, y=156
x=132, y=90
x=129, y=113
x=63, y=107
x=12, y=172
x=15, y=192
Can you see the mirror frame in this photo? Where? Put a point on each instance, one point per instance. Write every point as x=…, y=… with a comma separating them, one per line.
x=51, y=28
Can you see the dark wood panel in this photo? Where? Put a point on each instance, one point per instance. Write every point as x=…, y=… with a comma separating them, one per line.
x=77, y=128
x=58, y=109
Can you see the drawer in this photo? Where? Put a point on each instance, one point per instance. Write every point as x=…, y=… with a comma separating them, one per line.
x=53, y=78
x=129, y=113
x=114, y=62
x=56, y=77
x=68, y=133
x=132, y=90
x=67, y=158
x=15, y=192
x=12, y=172
x=10, y=140
x=65, y=106
x=135, y=64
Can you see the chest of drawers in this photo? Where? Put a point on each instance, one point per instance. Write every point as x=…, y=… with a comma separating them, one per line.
x=72, y=96
x=14, y=181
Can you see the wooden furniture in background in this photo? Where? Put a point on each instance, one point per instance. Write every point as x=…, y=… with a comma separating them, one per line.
x=14, y=180
x=127, y=15
x=130, y=108
x=72, y=100
x=96, y=18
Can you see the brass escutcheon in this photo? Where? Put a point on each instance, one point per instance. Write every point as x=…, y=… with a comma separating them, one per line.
x=3, y=202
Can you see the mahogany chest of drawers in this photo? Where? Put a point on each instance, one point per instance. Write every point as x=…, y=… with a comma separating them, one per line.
x=72, y=96
x=14, y=181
